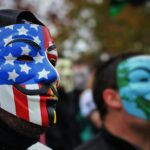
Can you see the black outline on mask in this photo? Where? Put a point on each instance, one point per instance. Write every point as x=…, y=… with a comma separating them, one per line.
x=50, y=103
x=30, y=42
x=52, y=47
x=42, y=91
x=51, y=107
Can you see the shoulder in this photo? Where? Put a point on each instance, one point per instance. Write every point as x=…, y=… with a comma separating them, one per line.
x=94, y=144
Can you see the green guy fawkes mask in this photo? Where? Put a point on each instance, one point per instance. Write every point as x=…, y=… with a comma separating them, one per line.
x=133, y=77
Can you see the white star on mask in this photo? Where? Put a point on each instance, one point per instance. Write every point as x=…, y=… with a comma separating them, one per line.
x=34, y=26
x=9, y=62
x=25, y=50
x=36, y=40
x=22, y=31
x=9, y=59
x=13, y=75
x=38, y=58
x=43, y=74
x=7, y=40
x=25, y=68
x=10, y=27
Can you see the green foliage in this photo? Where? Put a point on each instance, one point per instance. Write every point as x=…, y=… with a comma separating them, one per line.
x=128, y=31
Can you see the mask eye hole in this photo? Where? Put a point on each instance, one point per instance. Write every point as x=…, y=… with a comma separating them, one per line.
x=52, y=54
x=25, y=58
x=144, y=79
x=53, y=62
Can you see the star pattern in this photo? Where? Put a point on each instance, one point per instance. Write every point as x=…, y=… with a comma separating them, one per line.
x=38, y=58
x=8, y=39
x=25, y=50
x=17, y=71
x=36, y=40
x=9, y=62
x=43, y=74
x=25, y=68
x=34, y=26
x=9, y=27
x=22, y=31
x=9, y=59
x=13, y=75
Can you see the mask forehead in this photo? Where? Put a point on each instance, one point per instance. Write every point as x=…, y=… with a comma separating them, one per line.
x=133, y=78
x=36, y=33
x=134, y=62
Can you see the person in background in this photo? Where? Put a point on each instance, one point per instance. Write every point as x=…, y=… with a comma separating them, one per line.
x=28, y=80
x=89, y=110
x=122, y=94
x=65, y=134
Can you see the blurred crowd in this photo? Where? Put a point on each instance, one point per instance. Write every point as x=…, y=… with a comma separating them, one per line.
x=78, y=117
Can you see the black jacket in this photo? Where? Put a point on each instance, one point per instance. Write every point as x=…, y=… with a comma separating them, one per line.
x=106, y=141
x=12, y=140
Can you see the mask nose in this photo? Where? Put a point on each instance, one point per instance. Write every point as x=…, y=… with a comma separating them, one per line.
x=48, y=78
x=47, y=74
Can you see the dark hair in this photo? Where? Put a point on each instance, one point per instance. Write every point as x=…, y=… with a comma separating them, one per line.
x=105, y=77
x=10, y=16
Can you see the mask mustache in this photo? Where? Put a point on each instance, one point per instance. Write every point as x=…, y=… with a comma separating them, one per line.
x=42, y=91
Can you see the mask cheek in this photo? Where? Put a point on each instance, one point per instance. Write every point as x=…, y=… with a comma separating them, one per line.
x=140, y=89
x=134, y=90
x=135, y=99
x=126, y=93
x=133, y=109
x=22, y=77
x=25, y=78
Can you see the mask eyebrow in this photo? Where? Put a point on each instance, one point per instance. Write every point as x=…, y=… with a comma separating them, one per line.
x=141, y=68
x=32, y=43
x=52, y=47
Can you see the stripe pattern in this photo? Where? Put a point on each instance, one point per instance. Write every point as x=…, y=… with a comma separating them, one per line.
x=33, y=108
x=49, y=46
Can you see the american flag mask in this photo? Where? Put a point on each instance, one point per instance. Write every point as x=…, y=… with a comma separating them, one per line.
x=28, y=81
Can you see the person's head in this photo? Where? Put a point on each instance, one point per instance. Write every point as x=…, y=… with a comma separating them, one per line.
x=28, y=78
x=121, y=86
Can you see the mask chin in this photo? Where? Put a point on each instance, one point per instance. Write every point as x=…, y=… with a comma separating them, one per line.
x=47, y=96
x=38, y=109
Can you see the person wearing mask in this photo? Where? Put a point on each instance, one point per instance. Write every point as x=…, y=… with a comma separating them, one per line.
x=122, y=93
x=28, y=79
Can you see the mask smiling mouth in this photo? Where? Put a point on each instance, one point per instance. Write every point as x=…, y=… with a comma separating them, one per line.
x=45, y=90
x=48, y=97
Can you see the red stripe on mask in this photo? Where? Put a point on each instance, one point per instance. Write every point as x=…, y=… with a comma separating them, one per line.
x=21, y=104
x=47, y=38
x=44, y=112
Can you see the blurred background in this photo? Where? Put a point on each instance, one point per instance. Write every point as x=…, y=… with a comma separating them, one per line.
x=86, y=31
